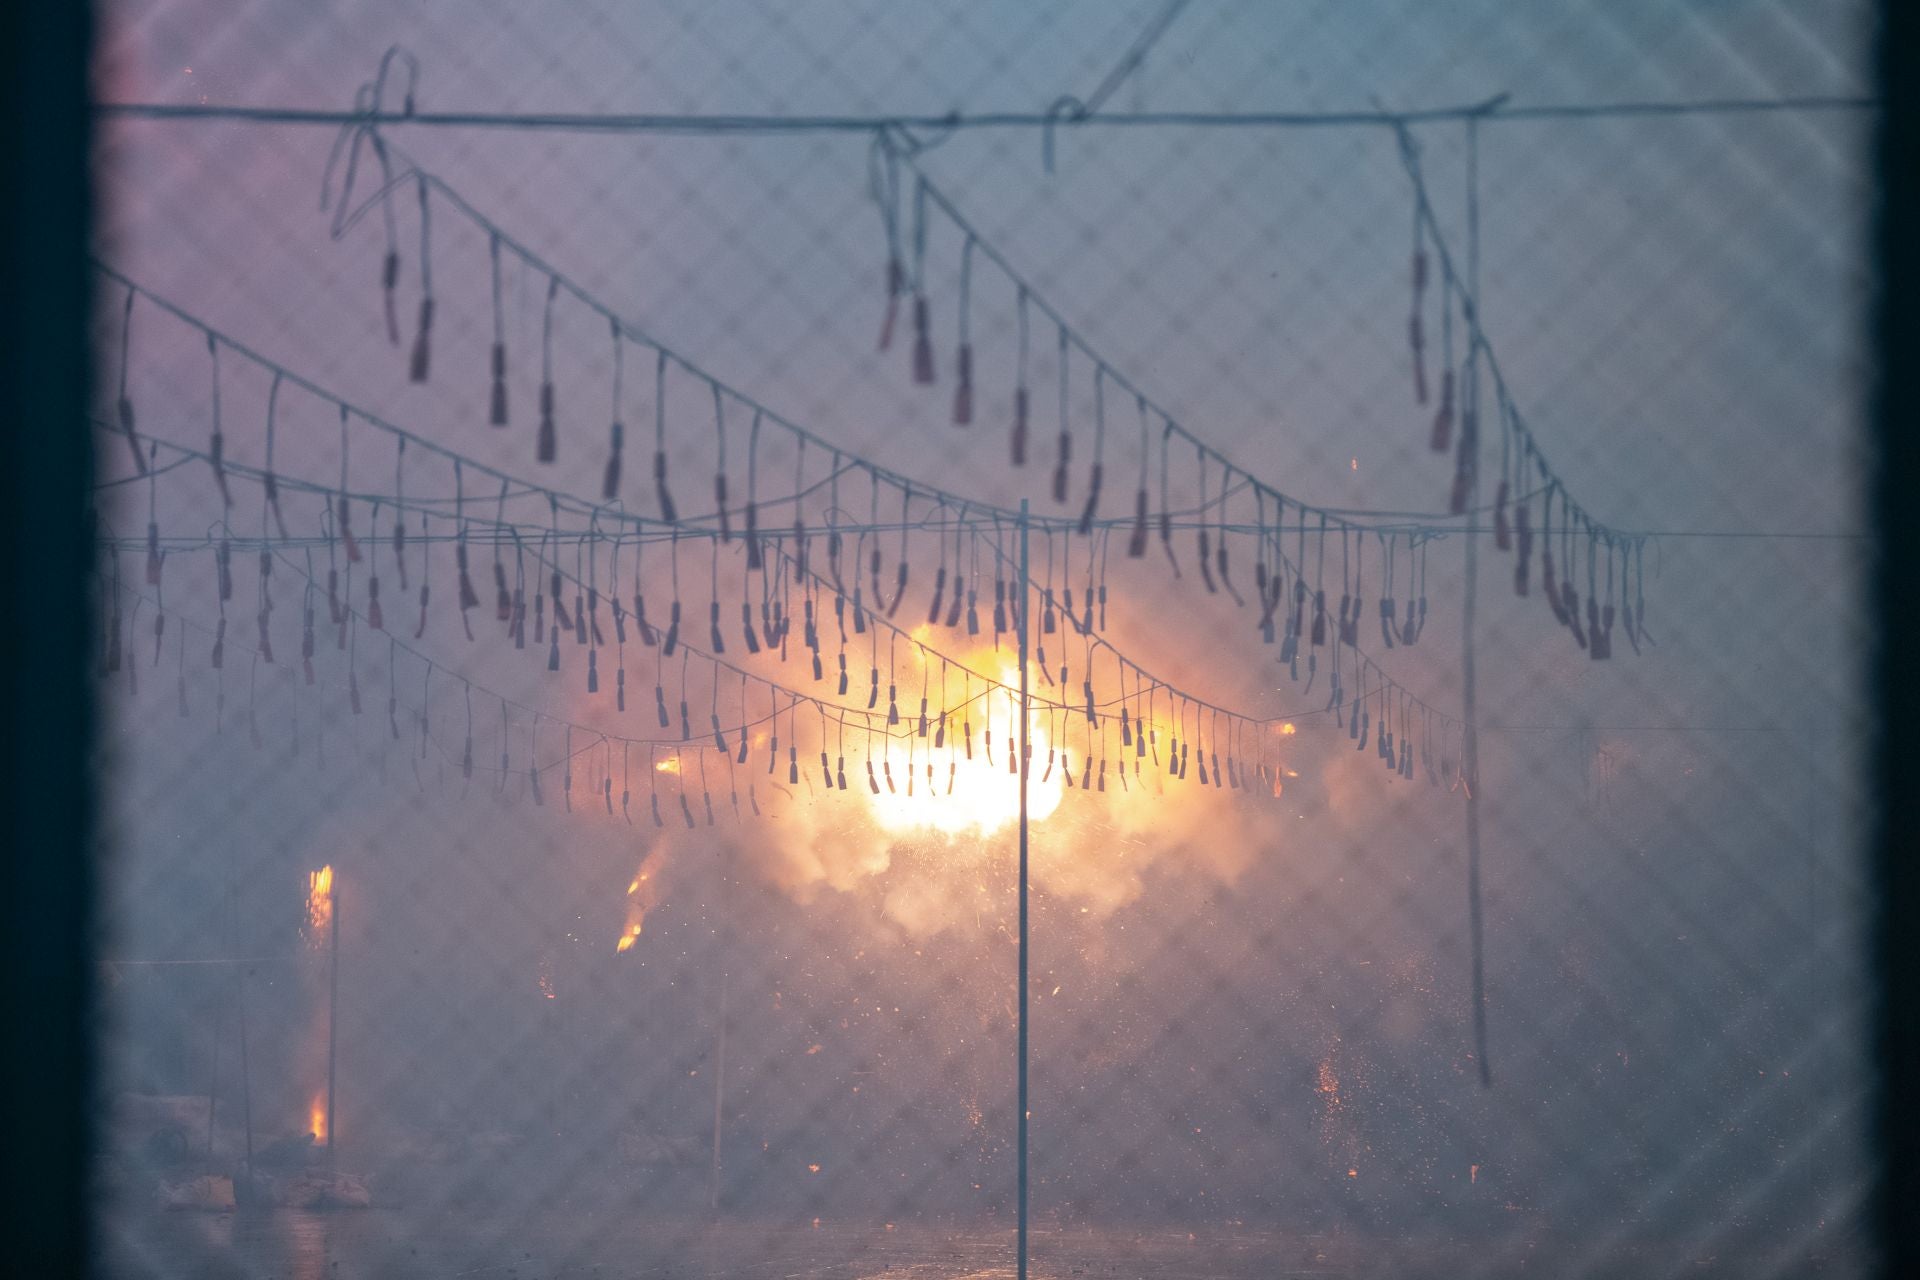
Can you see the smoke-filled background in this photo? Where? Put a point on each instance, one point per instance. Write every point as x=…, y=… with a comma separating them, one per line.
x=1252, y=1016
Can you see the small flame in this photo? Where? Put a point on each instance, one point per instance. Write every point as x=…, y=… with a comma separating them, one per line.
x=319, y=904
x=643, y=893
x=670, y=765
x=317, y=1117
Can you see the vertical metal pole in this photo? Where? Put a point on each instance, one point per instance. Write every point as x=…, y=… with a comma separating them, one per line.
x=246, y=1074
x=720, y=1050
x=719, y=1088
x=1469, y=710
x=1025, y=764
x=213, y=1076
x=333, y=1011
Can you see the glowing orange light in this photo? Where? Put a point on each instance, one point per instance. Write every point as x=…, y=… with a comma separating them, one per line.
x=319, y=904
x=643, y=892
x=317, y=1117
x=985, y=797
x=813, y=1168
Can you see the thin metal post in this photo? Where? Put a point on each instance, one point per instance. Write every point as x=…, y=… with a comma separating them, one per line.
x=213, y=1075
x=720, y=1048
x=1469, y=707
x=246, y=1074
x=1026, y=765
x=333, y=1010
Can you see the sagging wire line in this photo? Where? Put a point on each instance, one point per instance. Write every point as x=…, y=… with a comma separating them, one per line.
x=692, y=525
x=508, y=533
x=518, y=535
x=639, y=335
x=1100, y=715
x=882, y=186
x=1342, y=516
x=1481, y=346
x=1510, y=418
x=907, y=487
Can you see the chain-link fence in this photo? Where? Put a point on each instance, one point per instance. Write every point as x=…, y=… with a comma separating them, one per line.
x=563, y=680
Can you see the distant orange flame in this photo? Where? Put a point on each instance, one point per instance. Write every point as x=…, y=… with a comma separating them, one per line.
x=317, y=1117
x=319, y=905
x=643, y=892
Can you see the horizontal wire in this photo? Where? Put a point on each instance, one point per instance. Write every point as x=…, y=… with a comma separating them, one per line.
x=1491, y=110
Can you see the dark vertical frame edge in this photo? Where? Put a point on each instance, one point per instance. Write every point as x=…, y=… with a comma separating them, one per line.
x=46, y=866
x=1895, y=681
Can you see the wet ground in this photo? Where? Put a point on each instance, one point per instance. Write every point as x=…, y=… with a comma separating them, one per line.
x=563, y=1245
x=290, y=1245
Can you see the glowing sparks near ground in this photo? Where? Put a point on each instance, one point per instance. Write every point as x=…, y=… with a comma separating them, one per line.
x=643, y=893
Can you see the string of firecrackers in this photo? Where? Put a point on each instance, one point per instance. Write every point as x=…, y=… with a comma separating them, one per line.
x=519, y=535
x=119, y=654
x=510, y=485
x=1520, y=455
x=418, y=370
x=663, y=755
x=337, y=533
x=660, y=758
x=352, y=137
x=1270, y=580
x=1579, y=535
x=1213, y=536
x=1385, y=694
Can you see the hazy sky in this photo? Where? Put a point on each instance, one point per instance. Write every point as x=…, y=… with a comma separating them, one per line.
x=1674, y=301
